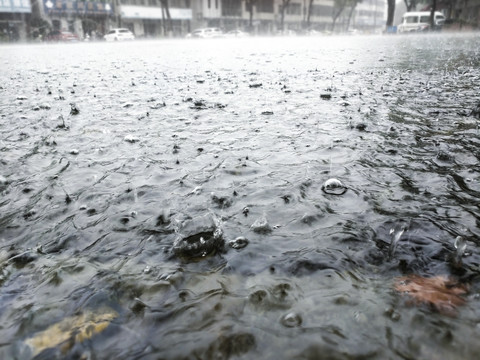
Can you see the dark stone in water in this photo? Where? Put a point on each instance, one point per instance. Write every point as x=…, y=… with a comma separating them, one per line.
x=444, y=156
x=361, y=127
x=476, y=112
x=230, y=346
x=199, y=245
x=222, y=201
x=23, y=259
x=258, y=297
x=74, y=109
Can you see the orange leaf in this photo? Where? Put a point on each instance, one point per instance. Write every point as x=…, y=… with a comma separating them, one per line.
x=440, y=292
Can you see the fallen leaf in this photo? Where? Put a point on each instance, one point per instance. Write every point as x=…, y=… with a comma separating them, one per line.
x=70, y=330
x=441, y=292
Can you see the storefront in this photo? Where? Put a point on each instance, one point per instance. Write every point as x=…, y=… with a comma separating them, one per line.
x=13, y=19
x=87, y=19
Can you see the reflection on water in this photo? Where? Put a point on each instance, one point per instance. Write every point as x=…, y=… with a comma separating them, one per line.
x=198, y=191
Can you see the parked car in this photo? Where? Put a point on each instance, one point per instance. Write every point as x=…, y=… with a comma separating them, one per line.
x=237, y=33
x=206, y=33
x=57, y=35
x=119, y=35
x=420, y=21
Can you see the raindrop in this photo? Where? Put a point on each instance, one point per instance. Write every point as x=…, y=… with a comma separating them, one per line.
x=291, y=320
x=396, y=233
x=334, y=187
x=460, y=245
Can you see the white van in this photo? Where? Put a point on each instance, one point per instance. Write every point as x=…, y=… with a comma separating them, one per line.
x=419, y=21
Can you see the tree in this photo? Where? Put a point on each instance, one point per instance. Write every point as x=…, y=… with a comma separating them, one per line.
x=283, y=8
x=338, y=7
x=432, y=14
x=390, y=12
x=353, y=5
x=249, y=5
x=168, y=26
x=410, y=4
x=310, y=7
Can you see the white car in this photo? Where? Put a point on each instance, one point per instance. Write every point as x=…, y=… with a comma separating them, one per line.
x=237, y=33
x=419, y=21
x=119, y=35
x=206, y=33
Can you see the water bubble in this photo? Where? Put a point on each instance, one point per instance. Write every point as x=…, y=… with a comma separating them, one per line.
x=258, y=297
x=239, y=243
x=334, y=187
x=291, y=320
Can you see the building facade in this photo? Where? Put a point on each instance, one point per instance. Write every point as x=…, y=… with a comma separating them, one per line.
x=152, y=18
x=269, y=16
x=265, y=16
x=14, y=17
x=87, y=19
x=159, y=18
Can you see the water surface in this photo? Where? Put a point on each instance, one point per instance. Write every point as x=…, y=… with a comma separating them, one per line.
x=175, y=189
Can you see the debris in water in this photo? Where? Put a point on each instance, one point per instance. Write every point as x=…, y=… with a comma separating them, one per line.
x=440, y=292
x=69, y=331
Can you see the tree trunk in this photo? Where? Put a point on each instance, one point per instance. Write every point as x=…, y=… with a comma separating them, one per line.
x=249, y=6
x=432, y=15
x=411, y=5
x=166, y=8
x=310, y=6
x=284, y=7
x=390, y=12
x=335, y=17
x=352, y=9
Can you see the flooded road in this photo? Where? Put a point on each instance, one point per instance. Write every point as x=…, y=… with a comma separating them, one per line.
x=256, y=198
